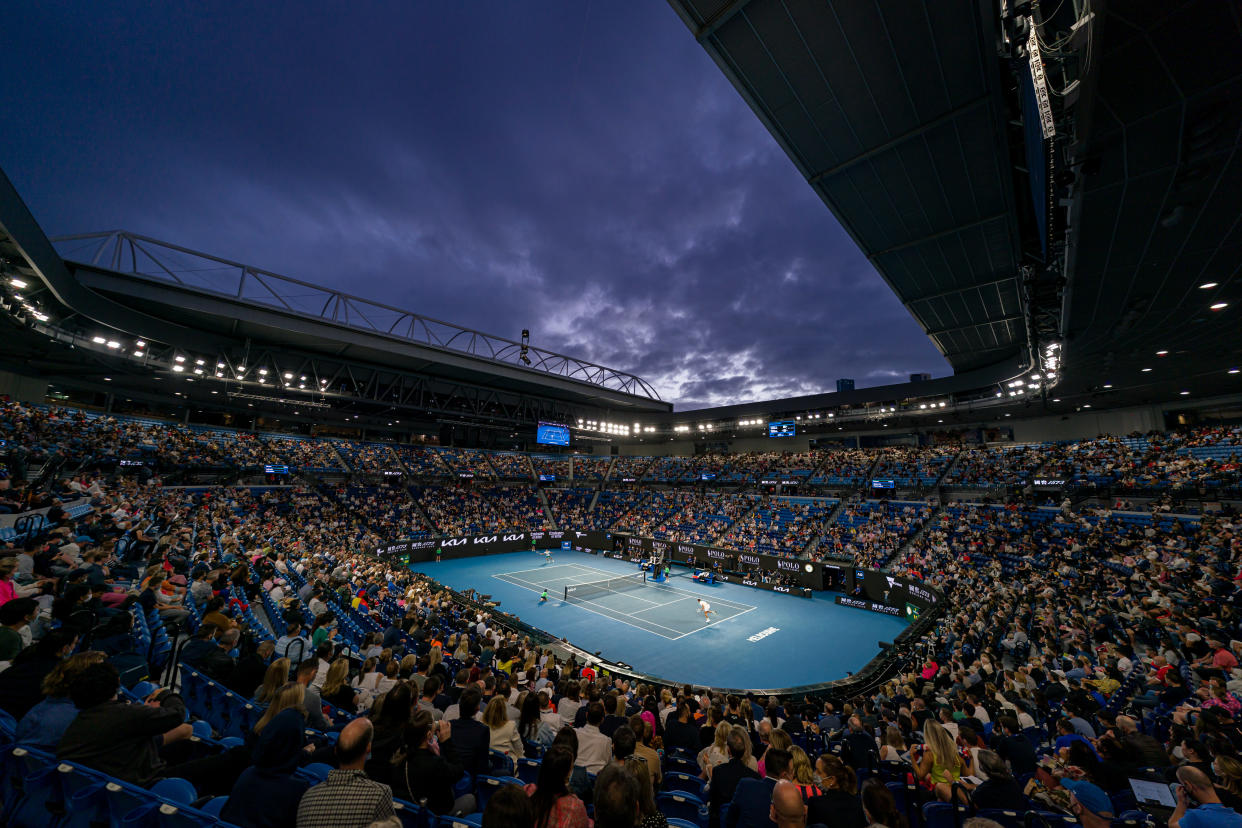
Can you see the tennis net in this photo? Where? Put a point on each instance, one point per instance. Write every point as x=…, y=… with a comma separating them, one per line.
x=612, y=585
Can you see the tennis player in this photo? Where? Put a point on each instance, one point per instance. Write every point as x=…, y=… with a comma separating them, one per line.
x=547, y=556
x=705, y=608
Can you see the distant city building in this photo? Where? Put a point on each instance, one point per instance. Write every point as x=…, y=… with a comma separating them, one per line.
x=920, y=377
x=845, y=385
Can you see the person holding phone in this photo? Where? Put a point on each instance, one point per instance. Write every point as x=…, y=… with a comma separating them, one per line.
x=1196, y=786
x=428, y=769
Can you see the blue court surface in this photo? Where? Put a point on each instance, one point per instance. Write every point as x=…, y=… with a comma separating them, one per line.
x=659, y=629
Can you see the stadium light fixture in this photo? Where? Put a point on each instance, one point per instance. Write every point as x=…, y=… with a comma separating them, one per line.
x=263, y=372
x=1035, y=376
x=830, y=414
x=200, y=362
x=139, y=343
x=139, y=353
x=198, y=371
x=179, y=358
x=1220, y=306
x=17, y=283
x=1162, y=353
x=1204, y=286
x=1087, y=405
x=113, y=344
x=922, y=406
x=1184, y=393
x=98, y=340
x=1146, y=370
x=1056, y=399
x=288, y=375
x=178, y=368
x=942, y=405
x=1108, y=385
x=219, y=364
x=999, y=394
x=219, y=373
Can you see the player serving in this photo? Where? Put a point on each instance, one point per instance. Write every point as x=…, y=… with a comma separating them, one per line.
x=705, y=608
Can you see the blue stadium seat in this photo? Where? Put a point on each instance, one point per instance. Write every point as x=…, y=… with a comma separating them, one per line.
x=499, y=764
x=528, y=770
x=16, y=764
x=215, y=805
x=175, y=790
x=943, y=815
x=317, y=771
x=472, y=821
x=675, y=781
x=1007, y=819
x=682, y=806
x=488, y=785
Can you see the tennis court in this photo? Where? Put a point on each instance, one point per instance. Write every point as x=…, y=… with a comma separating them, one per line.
x=659, y=608
x=756, y=639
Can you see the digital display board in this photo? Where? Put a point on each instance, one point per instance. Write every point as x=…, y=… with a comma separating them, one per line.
x=552, y=434
x=547, y=478
x=883, y=484
x=782, y=428
x=275, y=469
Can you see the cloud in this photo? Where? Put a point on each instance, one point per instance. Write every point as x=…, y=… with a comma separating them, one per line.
x=589, y=176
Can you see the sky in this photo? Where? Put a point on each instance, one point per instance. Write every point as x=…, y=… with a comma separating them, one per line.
x=580, y=169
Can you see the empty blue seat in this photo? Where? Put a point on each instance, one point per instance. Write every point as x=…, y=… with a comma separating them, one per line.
x=488, y=785
x=684, y=782
x=682, y=806
x=317, y=770
x=175, y=790
x=528, y=770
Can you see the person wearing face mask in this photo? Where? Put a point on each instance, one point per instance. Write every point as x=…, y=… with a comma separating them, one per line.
x=838, y=802
x=1228, y=773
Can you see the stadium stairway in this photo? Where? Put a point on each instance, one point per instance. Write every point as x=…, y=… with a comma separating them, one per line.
x=336, y=450
x=819, y=536
x=932, y=520
x=548, y=518
x=945, y=473
x=720, y=536
x=595, y=497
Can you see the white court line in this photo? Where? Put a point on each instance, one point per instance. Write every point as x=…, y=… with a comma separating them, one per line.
x=713, y=623
x=711, y=599
x=584, y=606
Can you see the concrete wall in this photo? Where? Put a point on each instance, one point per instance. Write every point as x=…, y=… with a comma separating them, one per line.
x=23, y=389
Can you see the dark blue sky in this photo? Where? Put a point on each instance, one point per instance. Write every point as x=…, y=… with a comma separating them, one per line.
x=580, y=169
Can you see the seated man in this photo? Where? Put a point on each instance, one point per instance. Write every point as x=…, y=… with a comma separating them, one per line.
x=752, y=801
x=348, y=798
x=120, y=739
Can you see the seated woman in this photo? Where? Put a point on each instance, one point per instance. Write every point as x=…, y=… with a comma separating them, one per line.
x=266, y=795
x=336, y=690
x=940, y=763
x=426, y=774
x=555, y=806
x=504, y=734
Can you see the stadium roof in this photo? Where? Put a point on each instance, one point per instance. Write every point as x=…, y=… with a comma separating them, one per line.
x=893, y=114
x=904, y=118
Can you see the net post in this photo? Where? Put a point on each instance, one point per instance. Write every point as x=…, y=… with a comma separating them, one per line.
x=566, y=596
